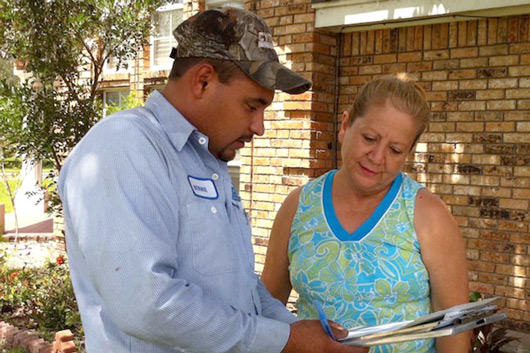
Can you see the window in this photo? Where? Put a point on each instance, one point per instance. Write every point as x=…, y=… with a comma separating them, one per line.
x=165, y=19
x=234, y=168
x=114, y=98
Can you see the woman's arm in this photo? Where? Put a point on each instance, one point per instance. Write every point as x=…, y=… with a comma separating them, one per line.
x=443, y=252
x=276, y=271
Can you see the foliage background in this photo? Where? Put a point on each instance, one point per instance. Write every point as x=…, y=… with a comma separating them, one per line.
x=57, y=42
x=4, y=195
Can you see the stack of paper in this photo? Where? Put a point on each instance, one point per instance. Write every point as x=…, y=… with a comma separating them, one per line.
x=441, y=323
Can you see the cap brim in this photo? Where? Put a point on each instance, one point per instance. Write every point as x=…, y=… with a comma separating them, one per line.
x=273, y=75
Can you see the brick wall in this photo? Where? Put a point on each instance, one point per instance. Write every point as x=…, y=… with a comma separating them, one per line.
x=298, y=143
x=475, y=152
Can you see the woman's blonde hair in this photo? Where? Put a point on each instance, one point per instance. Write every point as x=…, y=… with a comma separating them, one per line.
x=402, y=93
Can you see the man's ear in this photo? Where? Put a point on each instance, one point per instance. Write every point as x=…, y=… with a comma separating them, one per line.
x=203, y=75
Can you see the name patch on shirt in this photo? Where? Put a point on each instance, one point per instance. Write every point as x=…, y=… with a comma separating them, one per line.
x=204, y=188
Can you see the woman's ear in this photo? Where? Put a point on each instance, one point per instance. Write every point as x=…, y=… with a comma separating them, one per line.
x=345, y=123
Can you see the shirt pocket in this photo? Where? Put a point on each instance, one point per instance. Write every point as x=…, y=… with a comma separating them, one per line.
x=214, y=249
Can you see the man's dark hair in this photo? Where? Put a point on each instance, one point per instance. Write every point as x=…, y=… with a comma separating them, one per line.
x=225, y=69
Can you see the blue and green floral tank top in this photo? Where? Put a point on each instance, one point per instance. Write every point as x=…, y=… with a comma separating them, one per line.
x=372, y=276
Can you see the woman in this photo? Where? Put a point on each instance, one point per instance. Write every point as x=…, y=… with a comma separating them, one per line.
x=367, y=242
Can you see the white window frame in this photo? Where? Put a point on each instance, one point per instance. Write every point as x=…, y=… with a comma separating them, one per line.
x=364, y=15
x=108, y=69
x=215, y=4
x=169, y=7
x=107, y=91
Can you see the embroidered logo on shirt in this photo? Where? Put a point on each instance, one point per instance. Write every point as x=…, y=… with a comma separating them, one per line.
x=235, y=198
x=204, y=188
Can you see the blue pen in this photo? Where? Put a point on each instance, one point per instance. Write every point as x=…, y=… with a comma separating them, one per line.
x=323, y=319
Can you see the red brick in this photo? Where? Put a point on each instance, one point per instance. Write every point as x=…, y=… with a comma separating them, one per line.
x=434, y=75
x=46, y=349
x=464, y=52
x=520, y=48
x=518, y=93
x=385, y=59
x=517, y=271
x=370, y=69
x=37, y=345
x=503, y=83
x=420, y=66
x=462, y=74
x=473, y=84
x=394, y=68
x=501, y=105
x=519, y=71
x=409, y=57
x=473, y=62
x=10, y=334
x=492, y=278
x=436, y=55
x=490, y=94
x=504, y=60
x=444, y=85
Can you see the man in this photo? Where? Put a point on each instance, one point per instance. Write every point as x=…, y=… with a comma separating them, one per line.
x=158, y=241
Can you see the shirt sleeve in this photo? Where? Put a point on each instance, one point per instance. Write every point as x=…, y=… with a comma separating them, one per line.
x=120, y=212
x=272, y=307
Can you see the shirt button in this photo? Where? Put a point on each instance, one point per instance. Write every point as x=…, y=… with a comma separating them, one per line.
x=215, y=176
x=202, y=140
x=214, y=210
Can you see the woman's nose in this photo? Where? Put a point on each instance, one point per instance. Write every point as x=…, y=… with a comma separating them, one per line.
x=377, y=155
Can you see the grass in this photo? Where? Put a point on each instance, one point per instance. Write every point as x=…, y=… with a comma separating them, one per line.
x=11, y=350
x=4, y=195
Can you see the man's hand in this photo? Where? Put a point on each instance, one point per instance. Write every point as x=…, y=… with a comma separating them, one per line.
x=308, y=336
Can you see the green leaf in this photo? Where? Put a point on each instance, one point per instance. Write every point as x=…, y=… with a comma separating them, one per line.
x=475, y=296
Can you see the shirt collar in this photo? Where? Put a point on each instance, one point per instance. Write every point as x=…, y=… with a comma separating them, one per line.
x=176, y=126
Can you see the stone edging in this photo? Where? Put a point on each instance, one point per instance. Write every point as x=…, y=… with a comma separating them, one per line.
x=34, y=237
x=17, y=337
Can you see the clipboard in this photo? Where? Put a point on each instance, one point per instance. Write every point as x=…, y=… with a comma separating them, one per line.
x=445, y=322
x=411, y=336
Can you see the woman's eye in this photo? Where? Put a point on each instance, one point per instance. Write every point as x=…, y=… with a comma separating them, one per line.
x=251, y=108
x=369, y=138
x=396, y=151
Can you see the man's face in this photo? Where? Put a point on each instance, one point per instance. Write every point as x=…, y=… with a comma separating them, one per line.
x=235, y=112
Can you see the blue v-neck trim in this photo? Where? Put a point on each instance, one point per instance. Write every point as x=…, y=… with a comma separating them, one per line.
x=370, y=223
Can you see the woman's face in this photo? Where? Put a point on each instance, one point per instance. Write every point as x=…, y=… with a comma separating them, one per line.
x=375, y=147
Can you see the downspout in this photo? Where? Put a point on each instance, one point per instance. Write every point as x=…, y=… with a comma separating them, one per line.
x=249, y=208
x=335, y=142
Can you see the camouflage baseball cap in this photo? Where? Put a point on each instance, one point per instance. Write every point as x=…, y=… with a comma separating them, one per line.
x=241, y=37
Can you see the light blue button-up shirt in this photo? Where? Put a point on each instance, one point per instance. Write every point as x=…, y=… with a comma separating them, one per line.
x=158, y=242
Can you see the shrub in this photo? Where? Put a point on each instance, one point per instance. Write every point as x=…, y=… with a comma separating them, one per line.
x=488, y=339
x=40, y=299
